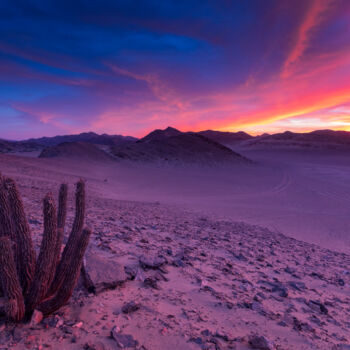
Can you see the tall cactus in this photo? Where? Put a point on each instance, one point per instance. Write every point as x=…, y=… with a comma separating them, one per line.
x=70, y=248
x=44, y=266
x=45, y=283
x=24, y=250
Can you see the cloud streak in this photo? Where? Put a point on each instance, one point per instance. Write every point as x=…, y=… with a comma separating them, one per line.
x=313, y=18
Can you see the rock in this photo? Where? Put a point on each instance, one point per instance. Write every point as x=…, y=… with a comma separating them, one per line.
x=78, y=325
x=301, y=326
x=317, y=306
x=37, y=317
x=102, y=271
x=94, y=346
x=300, y=286
x=123, y=340
x=206, y=332
x=341, y=347
x=275, y=287
x=341, y=282
x=160, y=277
x=140, y=276
x=260, y=343
x=53, y=321
x=179, y=259
x=151, y=282
x=130, y=307
x=151, y=262
x=131, y=271
x=17, y=334
x=197, y=340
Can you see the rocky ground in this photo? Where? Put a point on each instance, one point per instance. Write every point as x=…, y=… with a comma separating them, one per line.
x=165, y=278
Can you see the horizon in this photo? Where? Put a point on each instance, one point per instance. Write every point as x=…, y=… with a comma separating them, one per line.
x=123, y=69
x=186, y=131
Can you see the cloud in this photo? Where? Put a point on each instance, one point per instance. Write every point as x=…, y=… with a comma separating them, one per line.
x=117, y=69
x=313, y=18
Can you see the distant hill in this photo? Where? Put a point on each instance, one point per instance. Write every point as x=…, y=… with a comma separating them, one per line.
x=89, y=137
x=76, y=150
x=182, y=148
x=18, y=146
x=226, y=138
x=159, y=134
x=326, y=139
x=173, y=146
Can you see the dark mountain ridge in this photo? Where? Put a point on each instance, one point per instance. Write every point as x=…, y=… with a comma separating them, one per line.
x=18, y=146
x=78, y=150
x=226, y=138
x=89, y=137
x=328, y=139
x=172, y=146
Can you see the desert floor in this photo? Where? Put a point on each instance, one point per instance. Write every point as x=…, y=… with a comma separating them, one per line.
x=214, y=258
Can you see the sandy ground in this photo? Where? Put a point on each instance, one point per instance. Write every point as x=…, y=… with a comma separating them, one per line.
x=221, y=281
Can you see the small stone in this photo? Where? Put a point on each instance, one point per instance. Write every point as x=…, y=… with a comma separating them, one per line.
x=151, y=282
x=341, y=347
x=151, y=262
x=78, y=325
x=197, y=340
x=94, y=346
x=140, y=276
x=260, y=342
x=37, y=317
x=123, y=340
x=341, y=283
x=130, y=307
x=297, y=285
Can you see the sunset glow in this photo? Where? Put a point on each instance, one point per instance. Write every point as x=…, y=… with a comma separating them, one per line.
x=130, y=67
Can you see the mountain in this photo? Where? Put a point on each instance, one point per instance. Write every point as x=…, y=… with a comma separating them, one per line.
x=18, y=146
x=326, y=139
x=76, y=150
x=159, y=134
x=226, y=138
x=173, y=146
x=90, y=137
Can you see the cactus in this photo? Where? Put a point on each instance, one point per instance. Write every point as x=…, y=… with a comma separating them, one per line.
x=69, y=249
x=24, y=251
x=70, y=277
x=45, y=283
x=14, y=307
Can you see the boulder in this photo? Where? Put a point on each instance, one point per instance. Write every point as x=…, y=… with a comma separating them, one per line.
x=102, y=271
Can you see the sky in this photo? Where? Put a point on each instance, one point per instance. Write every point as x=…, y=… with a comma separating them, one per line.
x=128, y=67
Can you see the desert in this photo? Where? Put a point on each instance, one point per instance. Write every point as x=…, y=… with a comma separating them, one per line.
x=249, y=255
x=175, y=175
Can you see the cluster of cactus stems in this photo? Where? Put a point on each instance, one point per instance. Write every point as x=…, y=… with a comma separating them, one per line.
x=46, y=282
